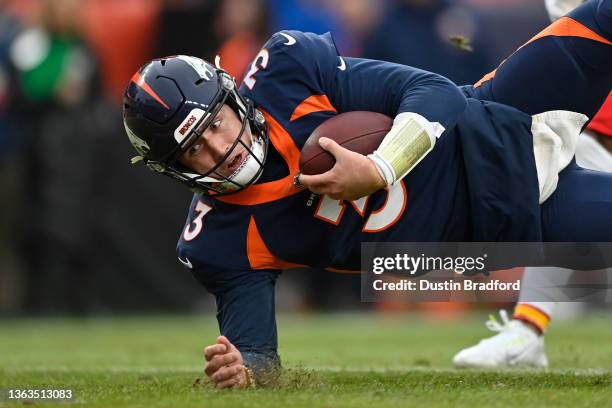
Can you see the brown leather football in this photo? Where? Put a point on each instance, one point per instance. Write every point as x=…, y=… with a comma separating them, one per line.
x=358, y=131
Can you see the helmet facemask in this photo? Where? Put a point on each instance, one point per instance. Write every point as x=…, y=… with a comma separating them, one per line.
x=213, y=182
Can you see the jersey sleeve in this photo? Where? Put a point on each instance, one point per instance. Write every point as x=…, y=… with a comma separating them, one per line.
x=213, y=248
x=392, y=89
x=290, y=67
x=297, y=65
x=246, y=316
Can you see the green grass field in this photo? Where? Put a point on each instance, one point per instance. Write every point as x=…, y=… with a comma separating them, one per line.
x=331, y=360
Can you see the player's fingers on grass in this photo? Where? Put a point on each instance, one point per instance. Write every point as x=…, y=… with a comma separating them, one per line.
x=219, y=361
x=225, y=373
x=224, y=340
x=211, y=351
x=227, y=383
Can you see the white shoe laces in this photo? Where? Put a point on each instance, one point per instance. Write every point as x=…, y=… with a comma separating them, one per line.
x=493, y=325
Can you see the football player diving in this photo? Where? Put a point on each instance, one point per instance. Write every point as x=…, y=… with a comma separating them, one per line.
x=489, y=162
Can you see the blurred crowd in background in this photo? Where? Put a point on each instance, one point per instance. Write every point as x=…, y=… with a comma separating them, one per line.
x=84, y=232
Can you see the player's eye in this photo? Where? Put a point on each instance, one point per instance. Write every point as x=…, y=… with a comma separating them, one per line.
x=216, y=124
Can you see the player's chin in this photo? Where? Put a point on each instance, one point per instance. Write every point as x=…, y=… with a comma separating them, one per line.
x=223, y=174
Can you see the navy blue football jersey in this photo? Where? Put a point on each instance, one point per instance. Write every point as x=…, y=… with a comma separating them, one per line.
x=298, y=81
x=235, y=244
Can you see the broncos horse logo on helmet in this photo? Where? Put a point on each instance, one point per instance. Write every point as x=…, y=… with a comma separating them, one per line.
x=167, y=106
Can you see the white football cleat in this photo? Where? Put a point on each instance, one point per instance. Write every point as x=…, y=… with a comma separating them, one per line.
x=516, y=344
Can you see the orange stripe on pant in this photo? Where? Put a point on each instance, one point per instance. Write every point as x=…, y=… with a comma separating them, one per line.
x=563, y=27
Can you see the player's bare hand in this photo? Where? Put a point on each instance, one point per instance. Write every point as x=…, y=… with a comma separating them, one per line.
x=352, y=177
x=224, y=365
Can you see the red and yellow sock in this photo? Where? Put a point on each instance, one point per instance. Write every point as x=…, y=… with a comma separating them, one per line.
x=531, y=314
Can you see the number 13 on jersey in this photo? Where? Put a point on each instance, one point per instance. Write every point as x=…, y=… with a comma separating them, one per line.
x=388, y=214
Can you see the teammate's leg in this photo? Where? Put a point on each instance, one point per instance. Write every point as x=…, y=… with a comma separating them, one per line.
x=537, y=297
x=541, y=288
x=580, y=208
x=567, y=66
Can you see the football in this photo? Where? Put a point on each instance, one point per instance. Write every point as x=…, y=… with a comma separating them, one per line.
x=358, y=131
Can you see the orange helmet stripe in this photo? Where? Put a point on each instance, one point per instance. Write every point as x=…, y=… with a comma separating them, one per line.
x=139, y=80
